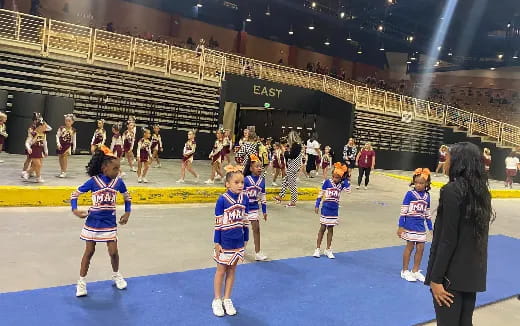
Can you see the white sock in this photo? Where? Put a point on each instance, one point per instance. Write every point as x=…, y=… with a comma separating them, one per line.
x=115, y=273
x=83, y=278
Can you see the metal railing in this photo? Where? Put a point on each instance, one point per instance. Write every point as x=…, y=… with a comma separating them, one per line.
x=51, y=36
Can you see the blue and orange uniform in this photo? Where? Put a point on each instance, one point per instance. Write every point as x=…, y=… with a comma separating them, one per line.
x=330, y=193
x=415, y=212
x=254, y=187
x=101, y=224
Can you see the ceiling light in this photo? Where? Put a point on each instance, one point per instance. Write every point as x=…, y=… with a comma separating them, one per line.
x=515, y=56
x=268, y=11
x=249, y=19
x=492, y=68
x=327, y=43
x=199, y=4
x=450, y=53
x=439, y=48
x=349, y=38
x=311, y=26
x=408, y=61
x=380, y=28
x=500, y=56
x=409, y=38
x=313, y=4
x=508, y=25
x=359, y=50
x=391, y=2
x=382, y=47
x=437, y=63
x=291, y=32
x=342, y=14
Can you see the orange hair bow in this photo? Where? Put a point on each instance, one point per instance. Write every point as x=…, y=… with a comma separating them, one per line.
x=107, y=151
x=233, y=168
x=340, y=169
x=424, y=172
x=254, y=158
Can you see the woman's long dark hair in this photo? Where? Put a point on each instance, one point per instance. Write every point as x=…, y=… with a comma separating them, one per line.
x=95, y=165
x=467, y=173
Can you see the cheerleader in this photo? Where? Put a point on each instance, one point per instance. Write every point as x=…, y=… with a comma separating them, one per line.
x=3, y=133
x=230, y=238
x=36, y=147
x=65, y=143
x=487, y=160
x=254, y=187
x=216, y=158
x=443, y=152
x=27, y=164
x=157, y=146
x=128, y=142
x=187, y=157
x=144, y=156
x=99, y=137
x=116, y=145
x=326, y=159
x=330, y=193
x=414, y=212
x=278, y=162
x=101, y=224
x=226, y=146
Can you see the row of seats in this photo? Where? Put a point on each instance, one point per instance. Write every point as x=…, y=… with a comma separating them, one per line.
x=113, y=94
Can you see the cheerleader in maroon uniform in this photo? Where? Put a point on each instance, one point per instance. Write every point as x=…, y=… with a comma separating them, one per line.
x=443, y=152
x=487, y=160
x=36, y=147
x=128, y=143
x=216, y=158
x=144, y=156
x=100, y=136
x=226, y=146
x=3, y=133
x=157, y=146
x=326, y=159
x=116, y=145
x=187, y=157
x=65, y=143
x=278, y=162
x=27, y=164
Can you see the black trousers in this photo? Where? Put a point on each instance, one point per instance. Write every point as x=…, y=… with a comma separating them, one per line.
x=461, y=311
x=366, y=172
x=311, y=163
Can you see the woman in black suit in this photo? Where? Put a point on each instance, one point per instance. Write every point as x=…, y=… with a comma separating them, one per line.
x=458, y=257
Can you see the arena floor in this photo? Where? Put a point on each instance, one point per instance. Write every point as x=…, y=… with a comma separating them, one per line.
x=41, y=249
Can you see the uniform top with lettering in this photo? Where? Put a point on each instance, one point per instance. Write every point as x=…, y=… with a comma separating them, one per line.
x=330, y=193
x=117, y=140
x=129, y=138
x=157, y=141
x=36, y=139
x=104, y=191
x=99, y=137
x=415, y=210
x=66, y=135
x=231, y=227
x=254, y=187
x=189, y=148
x=144, y=148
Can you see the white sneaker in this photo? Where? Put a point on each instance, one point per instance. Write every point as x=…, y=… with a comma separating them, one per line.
x=228, y=306
x=2, y=161
x=159, y=166
x=329, y=253
x=218, y=309
x=409, y=276
x=119, y=281
x=209, y=182
x=419, y=276
x=33, y=174
x=39, y=180
x=366, y=188
x=25, y=175
x=62, y=175
x=259, y=256
x=81, y=288
x=274, y=184
x=134, y=169
x=357, y=187
x=317, y=253
x=218, y=177
x=139, y=180
x=180, y=181
x=145, y=180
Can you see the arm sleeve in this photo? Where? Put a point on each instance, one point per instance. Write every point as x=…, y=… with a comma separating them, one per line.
x=93, y=137
x=138, y=149
x=448, y=237
x=219, y=213
x=160, y=142
x=428, y=215
x=121, y=187
x=246, y=221
x=262, y=198
x=404, y=209
x=58, y=135
x=321, y=193
x=74, y=141
x=86, y=187
x=45, y=147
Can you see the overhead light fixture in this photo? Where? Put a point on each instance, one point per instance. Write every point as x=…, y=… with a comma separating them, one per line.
x=515, y=56
x=291, y=32
x=359, y=50
x=408, y=61
x=311, y=26
x=409, y=38
x=342, y=14
x=438, y=63
x=249, y=19
x=382, y=47
x=450, y=53
x=327, y=42
x=391, y=2
x=492, y=68
x=500, y=56
x=380, y=28
x=508, y=25
x=199, y=4
x=268, y=11
x=349, y=38
x=313, y=4
x=439, y=48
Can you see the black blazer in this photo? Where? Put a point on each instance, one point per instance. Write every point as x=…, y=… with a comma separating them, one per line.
x=454, y=252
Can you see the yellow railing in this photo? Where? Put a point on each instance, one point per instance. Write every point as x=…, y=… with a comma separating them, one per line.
x=55, y=37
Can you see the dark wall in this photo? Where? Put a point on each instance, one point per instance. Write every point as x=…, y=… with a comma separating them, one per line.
x=396, y=160
x=256, y=92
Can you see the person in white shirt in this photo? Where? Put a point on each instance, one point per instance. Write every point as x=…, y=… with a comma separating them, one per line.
x=312, y=150
x=512, y=166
